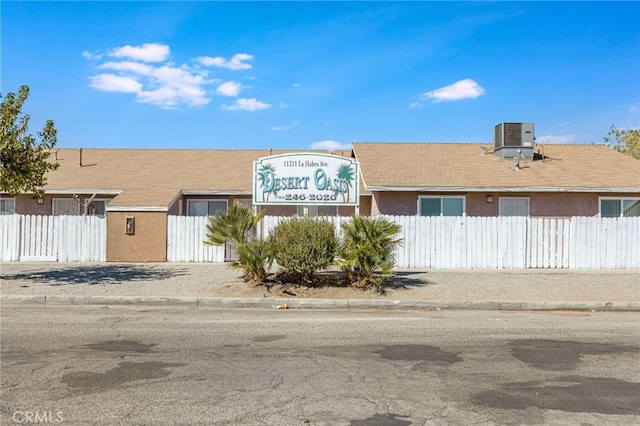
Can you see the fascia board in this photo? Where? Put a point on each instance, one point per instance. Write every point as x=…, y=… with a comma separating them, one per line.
x=499, y=189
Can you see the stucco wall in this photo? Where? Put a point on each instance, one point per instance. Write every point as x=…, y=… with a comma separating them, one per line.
x=395, y=203
x=564, y=204
x=147, y=244
x=29, y=206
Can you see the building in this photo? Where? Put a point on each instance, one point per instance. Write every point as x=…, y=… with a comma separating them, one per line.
x=136, y=189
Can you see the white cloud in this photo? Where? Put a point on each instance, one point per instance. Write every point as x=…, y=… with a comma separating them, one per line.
x=415, y=105
x=244, y=104
x=330, y=145
x=145, y=71
x=286, y=127
x=235, y=63
x=229, y=88
x=634, y=108
x=91, y=56
x=463, y=89
x=148, y=52
x=115, y=83
x=127, y=66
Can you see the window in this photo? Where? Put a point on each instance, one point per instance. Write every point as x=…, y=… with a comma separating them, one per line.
x=205, y=207
x=513, y=206
x=7, y=206
x=318, y=210
x=65, y=207
x=97, y=208
x=441, y=206
x=619, y=207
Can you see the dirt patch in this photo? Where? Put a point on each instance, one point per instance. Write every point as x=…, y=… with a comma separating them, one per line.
x=325, y=285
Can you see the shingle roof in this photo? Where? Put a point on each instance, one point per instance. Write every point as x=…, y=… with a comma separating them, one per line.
x=153, y=178
x=468, y=167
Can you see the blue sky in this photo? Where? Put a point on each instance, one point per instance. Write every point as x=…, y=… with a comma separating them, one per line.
x=300, y=75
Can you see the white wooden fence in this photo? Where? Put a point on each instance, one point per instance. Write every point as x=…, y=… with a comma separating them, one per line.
x=429, y=242
x=513, y=242
x=53, y=238
x=185, y=240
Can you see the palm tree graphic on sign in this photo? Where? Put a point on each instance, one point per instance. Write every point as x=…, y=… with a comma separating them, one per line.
x=266, y=170
x=346, y=172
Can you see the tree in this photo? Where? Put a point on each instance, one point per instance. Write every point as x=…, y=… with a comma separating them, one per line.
x=624, y=141
x=23, y=160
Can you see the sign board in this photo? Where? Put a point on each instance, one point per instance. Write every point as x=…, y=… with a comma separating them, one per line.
x=304, y=179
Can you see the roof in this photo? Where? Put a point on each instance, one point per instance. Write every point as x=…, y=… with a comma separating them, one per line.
x=473, y=167
x=152, y=179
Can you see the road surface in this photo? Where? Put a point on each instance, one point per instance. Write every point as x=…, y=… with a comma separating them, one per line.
x=129, y=365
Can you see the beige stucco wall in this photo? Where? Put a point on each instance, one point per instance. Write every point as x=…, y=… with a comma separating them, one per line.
x=147, y=244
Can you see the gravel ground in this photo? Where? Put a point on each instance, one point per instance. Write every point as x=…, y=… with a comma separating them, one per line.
x=221, y=280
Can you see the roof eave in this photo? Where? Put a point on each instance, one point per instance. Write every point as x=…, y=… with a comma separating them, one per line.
x=137, y=208
x=380, y=188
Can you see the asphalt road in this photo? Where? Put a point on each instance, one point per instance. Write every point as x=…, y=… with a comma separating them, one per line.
x=128, y=365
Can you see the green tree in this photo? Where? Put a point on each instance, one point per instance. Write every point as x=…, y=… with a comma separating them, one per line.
x=624, y=141
x=23, y=160
x=366, y=251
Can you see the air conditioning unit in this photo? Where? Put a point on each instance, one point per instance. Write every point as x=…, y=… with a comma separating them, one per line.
x=513, y=139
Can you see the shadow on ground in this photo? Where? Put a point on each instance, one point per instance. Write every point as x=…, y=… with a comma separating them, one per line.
x=407, y=279
x=291, y=283
x=98, y=274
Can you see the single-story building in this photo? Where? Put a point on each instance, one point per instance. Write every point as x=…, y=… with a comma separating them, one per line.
x=141, y=187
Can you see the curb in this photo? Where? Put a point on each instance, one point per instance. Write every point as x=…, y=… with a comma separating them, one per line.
x=234, y=302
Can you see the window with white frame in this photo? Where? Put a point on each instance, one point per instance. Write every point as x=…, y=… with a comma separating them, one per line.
x=619, y=207
x=317, y=210
x=97, y=208
x=65, y=207
x=7, y=206
x=513, y=206
x=205, y=207
x=441, y=206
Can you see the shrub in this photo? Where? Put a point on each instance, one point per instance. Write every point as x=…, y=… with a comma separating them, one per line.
x=366, y=250
x=255, y=258
x=304, y=245
x=236, y=227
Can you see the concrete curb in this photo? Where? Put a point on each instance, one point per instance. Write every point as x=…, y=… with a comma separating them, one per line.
x=270, y=303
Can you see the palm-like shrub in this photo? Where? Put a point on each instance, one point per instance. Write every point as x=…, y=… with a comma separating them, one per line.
x=236, y=226
x=304, y=245
x=366, y=251
x=255, y=259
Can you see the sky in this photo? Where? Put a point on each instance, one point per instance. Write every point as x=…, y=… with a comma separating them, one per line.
x=320, y=75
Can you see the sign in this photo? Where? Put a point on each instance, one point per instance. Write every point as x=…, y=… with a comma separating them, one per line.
x=303, y=179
